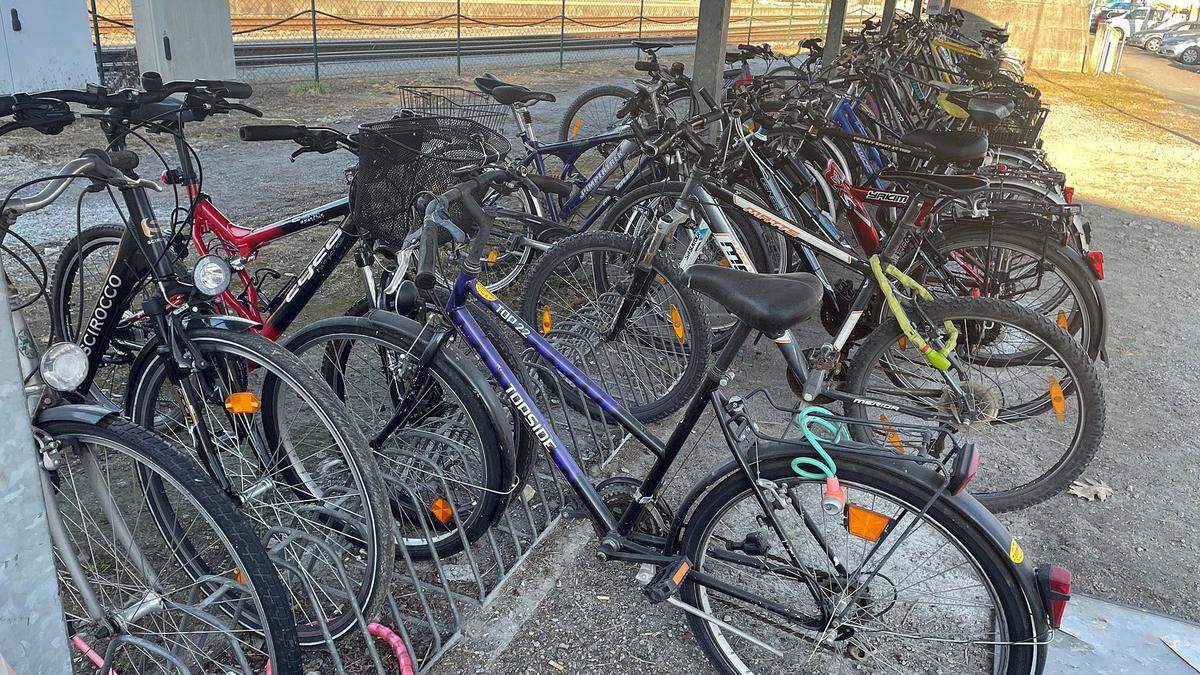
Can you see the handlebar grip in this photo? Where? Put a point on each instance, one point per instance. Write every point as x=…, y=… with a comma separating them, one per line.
x=228, y=88
x=271, y=132
x=426, y=278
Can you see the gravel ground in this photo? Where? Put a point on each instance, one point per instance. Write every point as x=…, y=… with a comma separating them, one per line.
x=568, y=612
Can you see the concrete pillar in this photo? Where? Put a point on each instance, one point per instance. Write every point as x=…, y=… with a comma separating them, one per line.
x=889, y=13
x=833, y=32
x=33, y=637
x=184, y=39
x=712, y=36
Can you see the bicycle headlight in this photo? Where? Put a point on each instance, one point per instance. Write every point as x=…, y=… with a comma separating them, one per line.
x=211, y=275
x=64, y=366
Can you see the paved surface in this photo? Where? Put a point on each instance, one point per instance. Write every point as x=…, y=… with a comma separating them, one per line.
x=1177, y=82
x=1106, y=637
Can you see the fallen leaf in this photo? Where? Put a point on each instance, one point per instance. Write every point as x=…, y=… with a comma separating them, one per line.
x=557, y=665
x=1090, y=489
x=602, y=598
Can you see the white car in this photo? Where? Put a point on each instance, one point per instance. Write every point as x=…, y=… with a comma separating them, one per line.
x=1144, y=18
x=1184, y=49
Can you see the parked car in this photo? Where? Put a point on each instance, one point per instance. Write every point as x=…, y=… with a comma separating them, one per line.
x=1151, y=39
x=1183, y=48
x=1102, y=15
x=1109, y=10
x=1144, y=18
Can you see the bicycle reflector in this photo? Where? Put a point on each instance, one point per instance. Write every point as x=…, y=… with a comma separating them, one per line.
x=64, y=366
x=242, y=403
x=1097, y=258
x=865, y=523
x=1054, y=583
x=1069, y=194
x=440, y=508
x=965, y=466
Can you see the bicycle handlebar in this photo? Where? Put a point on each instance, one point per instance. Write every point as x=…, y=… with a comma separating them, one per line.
x=437, y=212
x=109, y=167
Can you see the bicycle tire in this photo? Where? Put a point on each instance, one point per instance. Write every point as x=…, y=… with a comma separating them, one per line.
x=498, y=471
x=148, y=377
x=152, y=453
x=1082, y=377
x=857, y=475
x=695, y=345
x=569, y=120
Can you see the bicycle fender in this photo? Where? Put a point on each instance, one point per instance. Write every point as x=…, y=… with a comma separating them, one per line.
x=220, y=321
x=486, y=394
x=76, y=412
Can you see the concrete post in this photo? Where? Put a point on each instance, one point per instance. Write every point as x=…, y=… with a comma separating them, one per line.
x=184, y=39
x=833, y=32
x=889, y=13
x=33, y=637
x=712, y=35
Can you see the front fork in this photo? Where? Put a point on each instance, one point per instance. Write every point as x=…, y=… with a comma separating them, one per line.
x=643, y=269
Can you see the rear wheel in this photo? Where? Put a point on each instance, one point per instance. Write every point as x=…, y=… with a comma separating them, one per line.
x=1040, y=414
x=1153, y=44
x=1190, y=56
x=934, y=595
x=594, y=112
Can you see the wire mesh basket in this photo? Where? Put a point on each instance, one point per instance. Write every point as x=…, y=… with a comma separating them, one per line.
x=455, y=102
x=402, y=158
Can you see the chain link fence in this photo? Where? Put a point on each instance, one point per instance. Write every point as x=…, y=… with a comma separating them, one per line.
x=282, y=40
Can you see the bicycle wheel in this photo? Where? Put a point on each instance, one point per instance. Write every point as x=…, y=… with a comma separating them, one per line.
x=1020, y=266
x=637, y=212
x=593, y=112
x=207, y=605
x=446, y=468
x=1040, y=417
x=300, y=469
x=930, y=594
x=87, y=258
x=654, y=364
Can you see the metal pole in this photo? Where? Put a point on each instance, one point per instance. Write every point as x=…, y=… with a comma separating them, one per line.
x=458, y=36
x=712, y=34
x=791, y=13
x=96, y=36
x=916, y=8
x=750, y=26
x=316, y=60
x=562, y=34
x=641, y=17
x=833, y=32
x=889, y=13
x=33, y=638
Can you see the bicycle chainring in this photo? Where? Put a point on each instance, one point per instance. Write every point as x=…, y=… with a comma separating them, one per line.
x=618, y=492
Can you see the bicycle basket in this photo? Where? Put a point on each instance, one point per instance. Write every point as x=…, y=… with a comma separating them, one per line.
x=455, y=102
x=402, y=158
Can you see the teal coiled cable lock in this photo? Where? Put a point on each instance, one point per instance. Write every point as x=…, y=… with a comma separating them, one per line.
x=833, y=500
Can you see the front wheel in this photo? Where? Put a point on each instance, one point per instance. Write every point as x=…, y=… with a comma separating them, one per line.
x=1038, y=409
x=931, y=592
x=1153, y=44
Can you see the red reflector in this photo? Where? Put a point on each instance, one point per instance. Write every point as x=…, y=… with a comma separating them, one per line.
x=1069, y=193
x=164, y=178
x=1097, y=258
x=1001, y=167
x=1055, y=583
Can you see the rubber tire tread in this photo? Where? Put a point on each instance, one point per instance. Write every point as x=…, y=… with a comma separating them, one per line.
x=602, y=91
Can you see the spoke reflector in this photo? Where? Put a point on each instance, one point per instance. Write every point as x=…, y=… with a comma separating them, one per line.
x=440, y=508
x=242, y=402
x=1057, y=400
x=575, y=126
x=240, y=576
x=903, y=342
x=892, y=436
x=1062, y=320
x=865, y=523
x=547, y=323
x=677, y=323
x=492, y=256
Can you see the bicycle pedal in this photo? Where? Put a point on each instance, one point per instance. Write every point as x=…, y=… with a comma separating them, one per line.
x=667, y=580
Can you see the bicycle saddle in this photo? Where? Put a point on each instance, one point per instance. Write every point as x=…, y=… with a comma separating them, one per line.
x=1000, y=35
x=989, y=110
x=508, y=94
x=770, y=303
x=949, y=146
x=934, y=185
x=487, y=82
x=650, y=47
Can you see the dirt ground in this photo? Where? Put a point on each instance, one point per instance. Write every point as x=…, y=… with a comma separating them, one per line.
x=1132, y=156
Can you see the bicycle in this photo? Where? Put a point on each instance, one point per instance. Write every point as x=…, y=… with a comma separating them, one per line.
x=141, y=592
x=790, y=560
x=274, y=439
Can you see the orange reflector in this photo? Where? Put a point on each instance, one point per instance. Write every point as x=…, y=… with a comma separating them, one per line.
x=575, y=126
x=677, y=323
x=723, y=263
x=240, y=576
x=547, y=324
x=1057, y=400
x=242, y=402
x=865, y=523
x=660, y=279
x=492, y=256
x=903, y=342
x=1062, y=320
x=681, y=572
x=440, y=508
x=892, y=436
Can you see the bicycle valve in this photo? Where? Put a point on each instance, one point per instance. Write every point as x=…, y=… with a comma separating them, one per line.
x=833, y=499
